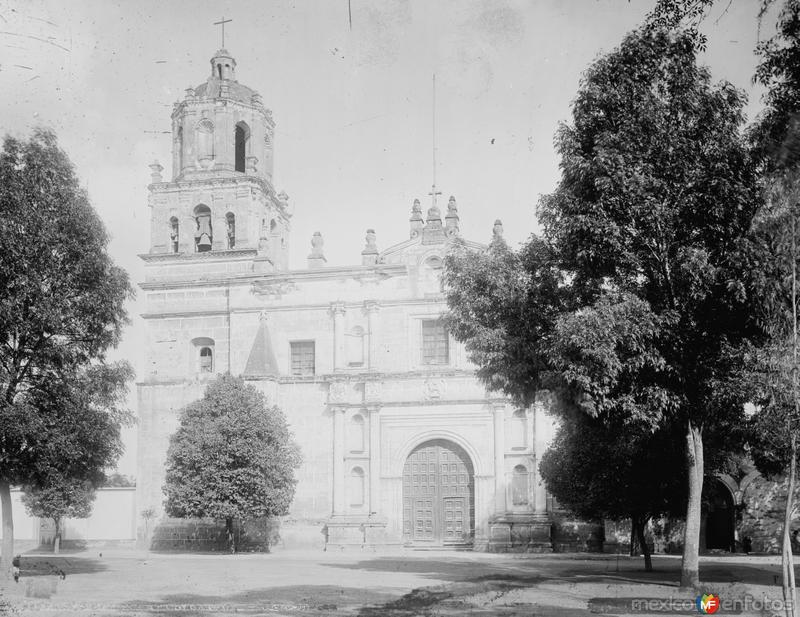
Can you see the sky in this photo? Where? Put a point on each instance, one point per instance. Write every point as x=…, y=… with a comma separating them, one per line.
x=350, y=84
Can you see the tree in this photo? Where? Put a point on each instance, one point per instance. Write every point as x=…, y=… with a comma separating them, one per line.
x=656, y=200
x=644, y=232
x=606, y=470
x=61, y=308
x=776, y=139
x=58, y=499
x=776, y=423
x=232, y=457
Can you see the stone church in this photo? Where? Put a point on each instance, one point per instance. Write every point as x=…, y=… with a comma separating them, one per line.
x=401, y=444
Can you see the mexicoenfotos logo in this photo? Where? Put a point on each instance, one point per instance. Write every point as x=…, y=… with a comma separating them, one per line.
x=708, y=603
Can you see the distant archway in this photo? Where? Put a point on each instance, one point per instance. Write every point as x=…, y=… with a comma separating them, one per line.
x=720, y=516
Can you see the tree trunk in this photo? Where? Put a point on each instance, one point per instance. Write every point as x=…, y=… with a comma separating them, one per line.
x=690, y=567
x=639, y=524
x=8, y=531
x=57, y=539
x=229, y=532
x=787, y=560
x=633, y=551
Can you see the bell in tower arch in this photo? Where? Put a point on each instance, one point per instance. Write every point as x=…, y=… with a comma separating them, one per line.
x=203, y=235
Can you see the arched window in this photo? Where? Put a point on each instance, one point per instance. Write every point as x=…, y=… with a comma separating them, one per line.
x=355, y=346
x=356, y=488
x=174, y=236
x=519, y=430
x=205, y=140
x=356, y=434
x=206, y=360
x=519, y=486
x=241, y=139
x=230, y=223
x=203, y=235
x=179, y=148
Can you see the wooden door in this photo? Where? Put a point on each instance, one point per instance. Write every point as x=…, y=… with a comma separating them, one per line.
x=438, y=494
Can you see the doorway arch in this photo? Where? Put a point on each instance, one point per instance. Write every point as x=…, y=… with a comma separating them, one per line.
x=720, y=517
x=438, y=494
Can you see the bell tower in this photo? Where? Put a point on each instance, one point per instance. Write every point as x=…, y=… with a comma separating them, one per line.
x=220, y=201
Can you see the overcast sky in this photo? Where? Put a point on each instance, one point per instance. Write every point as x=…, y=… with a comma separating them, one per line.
x=350, y=86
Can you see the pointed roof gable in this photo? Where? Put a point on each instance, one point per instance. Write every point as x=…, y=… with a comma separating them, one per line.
x=261, y=362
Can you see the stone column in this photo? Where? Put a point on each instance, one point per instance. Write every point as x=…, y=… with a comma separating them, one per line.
x=339, y=363
x=371, y=307
x=541, y=436
x=499, y=411
x=374, y=459
x=338, y=460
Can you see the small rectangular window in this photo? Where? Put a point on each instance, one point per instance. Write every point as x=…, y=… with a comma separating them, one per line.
x=302, y=358
x=435, y=342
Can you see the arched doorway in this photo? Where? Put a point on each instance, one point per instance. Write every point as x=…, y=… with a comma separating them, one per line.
x=720, y=517
x=438, y=494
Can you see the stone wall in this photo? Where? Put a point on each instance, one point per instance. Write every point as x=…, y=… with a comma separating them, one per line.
x=761, y=516
x=204, y=535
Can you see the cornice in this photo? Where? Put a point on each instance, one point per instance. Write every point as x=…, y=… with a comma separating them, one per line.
x=206, y=257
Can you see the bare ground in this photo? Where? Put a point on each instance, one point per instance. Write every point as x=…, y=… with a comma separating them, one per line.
x=359, y=584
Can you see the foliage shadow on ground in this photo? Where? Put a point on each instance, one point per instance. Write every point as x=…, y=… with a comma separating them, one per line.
x=295, y=600
x=58, y=565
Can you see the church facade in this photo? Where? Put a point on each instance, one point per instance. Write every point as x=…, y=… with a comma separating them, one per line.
x=401, y=444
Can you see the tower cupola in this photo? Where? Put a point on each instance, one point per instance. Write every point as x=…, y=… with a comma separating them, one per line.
x=223, y=66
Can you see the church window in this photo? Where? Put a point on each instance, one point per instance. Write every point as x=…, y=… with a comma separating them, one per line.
x=206, y=360
x=179, y=148
x=230, y=223
x=356, y=488
x=173, y=234
x=302, y=358
x=205, y=140
x=241, y=139
x=435, y=343
x=356, y=434
x=519, y=430
x=355, y=347
x=519, y=486
x=203, y=235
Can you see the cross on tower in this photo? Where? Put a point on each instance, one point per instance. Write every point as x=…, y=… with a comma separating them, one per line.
x=222, y=23
x=433, y=194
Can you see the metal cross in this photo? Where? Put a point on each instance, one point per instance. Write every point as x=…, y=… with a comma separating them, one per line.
x=434, y=192
x=222, y=23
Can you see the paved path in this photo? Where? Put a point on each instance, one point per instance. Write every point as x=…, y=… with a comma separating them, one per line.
x=400, y=584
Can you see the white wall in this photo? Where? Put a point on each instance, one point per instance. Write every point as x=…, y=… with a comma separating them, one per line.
x=113, y=518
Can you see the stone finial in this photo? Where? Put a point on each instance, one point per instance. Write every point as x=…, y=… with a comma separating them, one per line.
x=369, y=256
x=317, y=258
x=417, y=222
x=497, y=230
x=155, y=172
x=451, y=220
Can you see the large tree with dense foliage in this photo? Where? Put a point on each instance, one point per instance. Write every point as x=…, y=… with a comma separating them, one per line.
x=232, y=457
x=776, y=139
x=61, y=308
x=644, y=232
x=605, y=470
x=59, y=497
